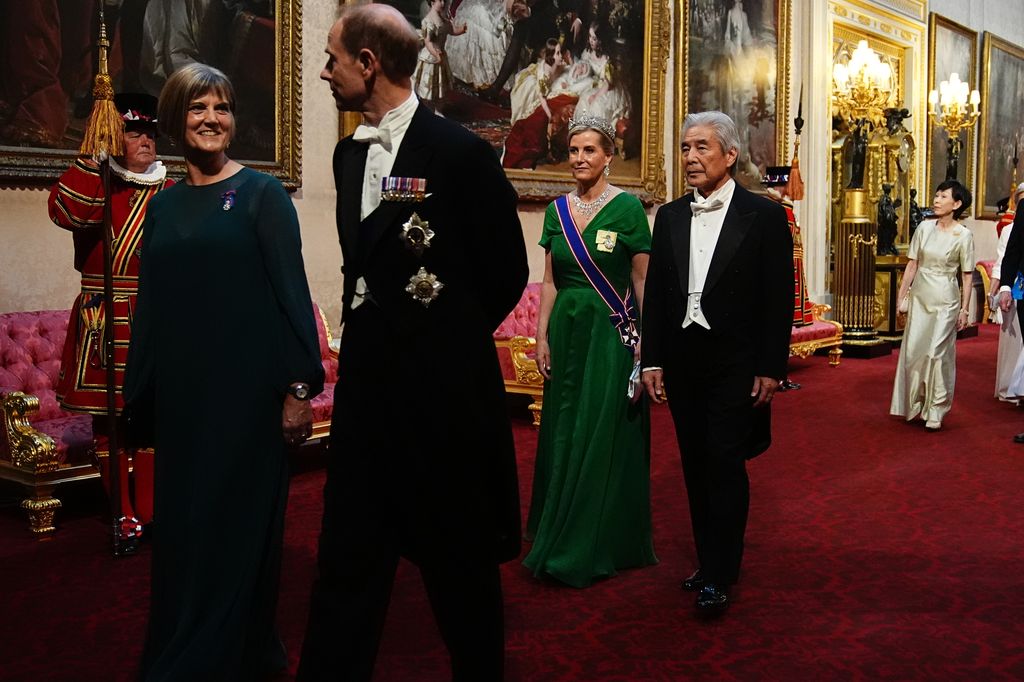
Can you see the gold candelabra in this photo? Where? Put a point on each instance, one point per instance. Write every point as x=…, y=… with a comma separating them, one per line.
x=862, y=85
x=948, y=108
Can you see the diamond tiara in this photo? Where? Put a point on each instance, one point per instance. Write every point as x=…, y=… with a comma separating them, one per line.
x=587, y=121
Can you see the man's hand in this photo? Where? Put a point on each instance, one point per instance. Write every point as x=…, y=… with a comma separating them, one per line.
x=764, y=388
x=296, y=420
x=653, y=381
x=1004, y=301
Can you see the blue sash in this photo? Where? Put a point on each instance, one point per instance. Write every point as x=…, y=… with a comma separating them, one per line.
x=1017, y=290
x=623, y=315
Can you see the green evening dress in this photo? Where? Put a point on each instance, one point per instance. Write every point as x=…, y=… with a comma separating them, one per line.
x=590, y=512
x=223, y=324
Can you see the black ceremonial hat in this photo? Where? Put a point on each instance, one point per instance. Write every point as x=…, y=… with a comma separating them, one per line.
x=136, y=108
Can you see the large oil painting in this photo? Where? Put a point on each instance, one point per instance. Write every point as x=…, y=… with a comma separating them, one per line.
x=521, y=68
x=952, y=49
x=48, y=61
x=1002, y=83
x=735, y=58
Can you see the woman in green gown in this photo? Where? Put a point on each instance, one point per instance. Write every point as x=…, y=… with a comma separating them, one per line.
x=590, y=509
x=225, y=357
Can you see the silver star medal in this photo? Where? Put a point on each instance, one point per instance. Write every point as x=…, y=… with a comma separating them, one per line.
x=417, y=234
x=424, y=287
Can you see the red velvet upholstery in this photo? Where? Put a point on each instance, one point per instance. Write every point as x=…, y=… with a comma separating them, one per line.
x=988, y=265
x=522, y=321
x=812, y=332
x=30, y=348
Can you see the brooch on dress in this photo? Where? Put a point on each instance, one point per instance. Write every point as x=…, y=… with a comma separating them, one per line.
x=228, y=199
x=606, y=240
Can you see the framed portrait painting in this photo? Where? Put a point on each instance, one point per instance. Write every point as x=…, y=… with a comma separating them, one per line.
x=519, y=69
x=733, y=56
x=48, y=56
x=1002, y=82
x=952, y=48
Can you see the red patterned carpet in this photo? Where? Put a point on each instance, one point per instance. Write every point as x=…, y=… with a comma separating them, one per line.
x=875, y=551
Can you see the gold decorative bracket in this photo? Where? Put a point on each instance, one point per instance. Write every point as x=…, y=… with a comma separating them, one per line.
x=858, y=238
x=29, y=449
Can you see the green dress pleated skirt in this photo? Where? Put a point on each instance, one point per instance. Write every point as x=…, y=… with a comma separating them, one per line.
x=590, y=511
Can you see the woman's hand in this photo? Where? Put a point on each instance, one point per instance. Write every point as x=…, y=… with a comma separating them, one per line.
x=543, y=355
x=296, y=420
x=961, y=320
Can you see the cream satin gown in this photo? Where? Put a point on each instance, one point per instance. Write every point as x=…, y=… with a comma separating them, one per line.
x=926, y=372
x=1009, y=354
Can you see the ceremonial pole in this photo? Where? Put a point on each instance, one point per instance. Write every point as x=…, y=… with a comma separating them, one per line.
x=104, y=137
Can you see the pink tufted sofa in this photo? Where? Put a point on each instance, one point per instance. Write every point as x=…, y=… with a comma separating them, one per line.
x=41, y=445
x=818, y=335
x=516, y=342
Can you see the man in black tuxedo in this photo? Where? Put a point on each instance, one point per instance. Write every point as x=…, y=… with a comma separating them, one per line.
x=422, y=461
x=718, y=307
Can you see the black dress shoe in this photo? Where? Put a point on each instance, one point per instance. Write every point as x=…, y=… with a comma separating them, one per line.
x=694, y=582
x=712, y=599
x=1019, y=438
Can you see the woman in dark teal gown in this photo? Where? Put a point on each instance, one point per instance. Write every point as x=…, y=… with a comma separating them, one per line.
x=590, y=511
x=225, y=354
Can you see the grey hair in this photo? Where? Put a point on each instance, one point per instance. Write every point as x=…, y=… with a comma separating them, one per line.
x=721, y=125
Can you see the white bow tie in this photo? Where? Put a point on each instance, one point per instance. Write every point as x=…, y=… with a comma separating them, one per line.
x=365, y=133
x=706, y=207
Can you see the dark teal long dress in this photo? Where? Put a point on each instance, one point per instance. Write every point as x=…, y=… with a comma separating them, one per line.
x=590, y=512
x=222, y=326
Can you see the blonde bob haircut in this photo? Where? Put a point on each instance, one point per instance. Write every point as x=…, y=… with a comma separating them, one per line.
x=186, y=85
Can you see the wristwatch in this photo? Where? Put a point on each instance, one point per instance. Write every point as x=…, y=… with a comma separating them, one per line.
x=299, y=391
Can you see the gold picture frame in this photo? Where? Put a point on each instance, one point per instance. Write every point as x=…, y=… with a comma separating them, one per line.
x=640, y=164
x=1002, y=81
x=762, y=70
x=952, y=48
x=261, y=54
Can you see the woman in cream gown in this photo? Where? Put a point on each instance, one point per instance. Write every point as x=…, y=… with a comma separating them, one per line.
x=936, y=309
x=1010, y=347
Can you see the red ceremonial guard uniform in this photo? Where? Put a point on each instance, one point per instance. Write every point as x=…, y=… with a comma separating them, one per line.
x=803, y=309
x=76, y=204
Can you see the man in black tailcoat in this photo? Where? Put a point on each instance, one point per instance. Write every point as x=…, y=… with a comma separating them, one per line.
x=422, y=461
x=718, y=308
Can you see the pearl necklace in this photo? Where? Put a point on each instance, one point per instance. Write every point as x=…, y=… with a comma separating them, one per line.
x=588, y=209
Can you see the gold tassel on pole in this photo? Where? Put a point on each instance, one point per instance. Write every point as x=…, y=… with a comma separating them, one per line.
x=104, y=133
x=795, y=185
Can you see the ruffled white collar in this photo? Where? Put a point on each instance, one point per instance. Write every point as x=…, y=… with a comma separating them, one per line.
x=153, y=175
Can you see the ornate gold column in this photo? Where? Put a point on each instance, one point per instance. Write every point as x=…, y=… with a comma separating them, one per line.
x=855, y=240
x=854, y=286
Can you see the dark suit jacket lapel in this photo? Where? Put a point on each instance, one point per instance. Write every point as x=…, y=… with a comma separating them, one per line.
x=350, y=194
x=737, y=223
x=411, y=161
x=681, y=244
